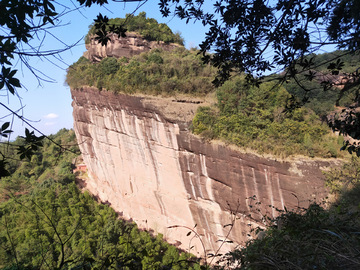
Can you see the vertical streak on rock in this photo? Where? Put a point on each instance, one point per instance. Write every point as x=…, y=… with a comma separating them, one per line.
x=270, y=191
x=198, y=178
x=208, y=185
x=140, y=130
x=123, y=121
x=280, y=192
x=153, y=161
x=106, y=151
x=190, y=174
x=255, y=185
x=192, y=185
x=245, y=186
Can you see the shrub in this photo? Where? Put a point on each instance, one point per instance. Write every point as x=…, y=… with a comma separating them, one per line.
x=109, y=65
x=250, y=117
x=157, y=72
x=311, y=238
x=155, y=58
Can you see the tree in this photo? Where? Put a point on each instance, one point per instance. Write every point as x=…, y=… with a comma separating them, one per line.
x=258, y=37
x=252, y=37
x=242, y=32
x=24, y=26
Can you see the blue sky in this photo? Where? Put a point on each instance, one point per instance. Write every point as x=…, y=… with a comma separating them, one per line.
x=47, y=105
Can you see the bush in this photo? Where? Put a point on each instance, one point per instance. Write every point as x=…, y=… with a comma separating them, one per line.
x=155, y=58
x=344, y=178
x=312, y=238
x=156, y=72
x=109, y=65
x=250, y=117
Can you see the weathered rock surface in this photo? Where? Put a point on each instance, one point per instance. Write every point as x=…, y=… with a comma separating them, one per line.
x=151, y=169
x=132, y=44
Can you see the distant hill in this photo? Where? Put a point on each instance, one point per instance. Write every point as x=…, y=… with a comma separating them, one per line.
x=320, y=101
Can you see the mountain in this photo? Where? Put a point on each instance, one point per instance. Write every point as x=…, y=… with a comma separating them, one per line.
x=145, y=162
x=168, y=151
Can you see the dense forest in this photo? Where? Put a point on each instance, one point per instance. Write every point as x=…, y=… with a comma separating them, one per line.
x=46, y=222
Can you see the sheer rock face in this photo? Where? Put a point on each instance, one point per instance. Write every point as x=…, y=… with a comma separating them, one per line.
x=132, y=44
x=143, y=160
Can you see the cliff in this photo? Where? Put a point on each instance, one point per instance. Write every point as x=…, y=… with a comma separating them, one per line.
x=144, y=161
x=132, y=44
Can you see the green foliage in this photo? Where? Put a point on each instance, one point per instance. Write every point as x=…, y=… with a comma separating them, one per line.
x=320, y=101
x=47, y=223
x=344, y=182
x=312, y=238
x=60, y=224
x=149, y=28
x=109, y=65
x=155, y=58
x=49, y=161
x=155, y=72
x=253, y=118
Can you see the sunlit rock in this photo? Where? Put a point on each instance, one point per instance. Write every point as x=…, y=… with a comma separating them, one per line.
x=144, y=161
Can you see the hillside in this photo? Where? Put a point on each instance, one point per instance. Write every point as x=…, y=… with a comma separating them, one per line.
x=165, y=149
x=246, y=116
x=320, y=101
x=48, y=223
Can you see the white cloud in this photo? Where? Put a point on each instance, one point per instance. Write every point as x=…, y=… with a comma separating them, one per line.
x=51, y=115
x=50, y=123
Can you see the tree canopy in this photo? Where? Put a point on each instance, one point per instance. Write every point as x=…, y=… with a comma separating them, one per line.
x=251, y=37
x=149, y=28
x=259, y=37
x=22, y=23
x=246, y=36
x=47, y=222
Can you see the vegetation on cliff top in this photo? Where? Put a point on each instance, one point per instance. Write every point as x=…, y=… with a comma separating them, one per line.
x=254, y=118
x=149, y=28
x=247, y=116
x=156, y=72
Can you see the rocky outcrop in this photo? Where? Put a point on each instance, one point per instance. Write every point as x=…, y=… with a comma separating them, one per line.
x=132, y=44
x=143, y=160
